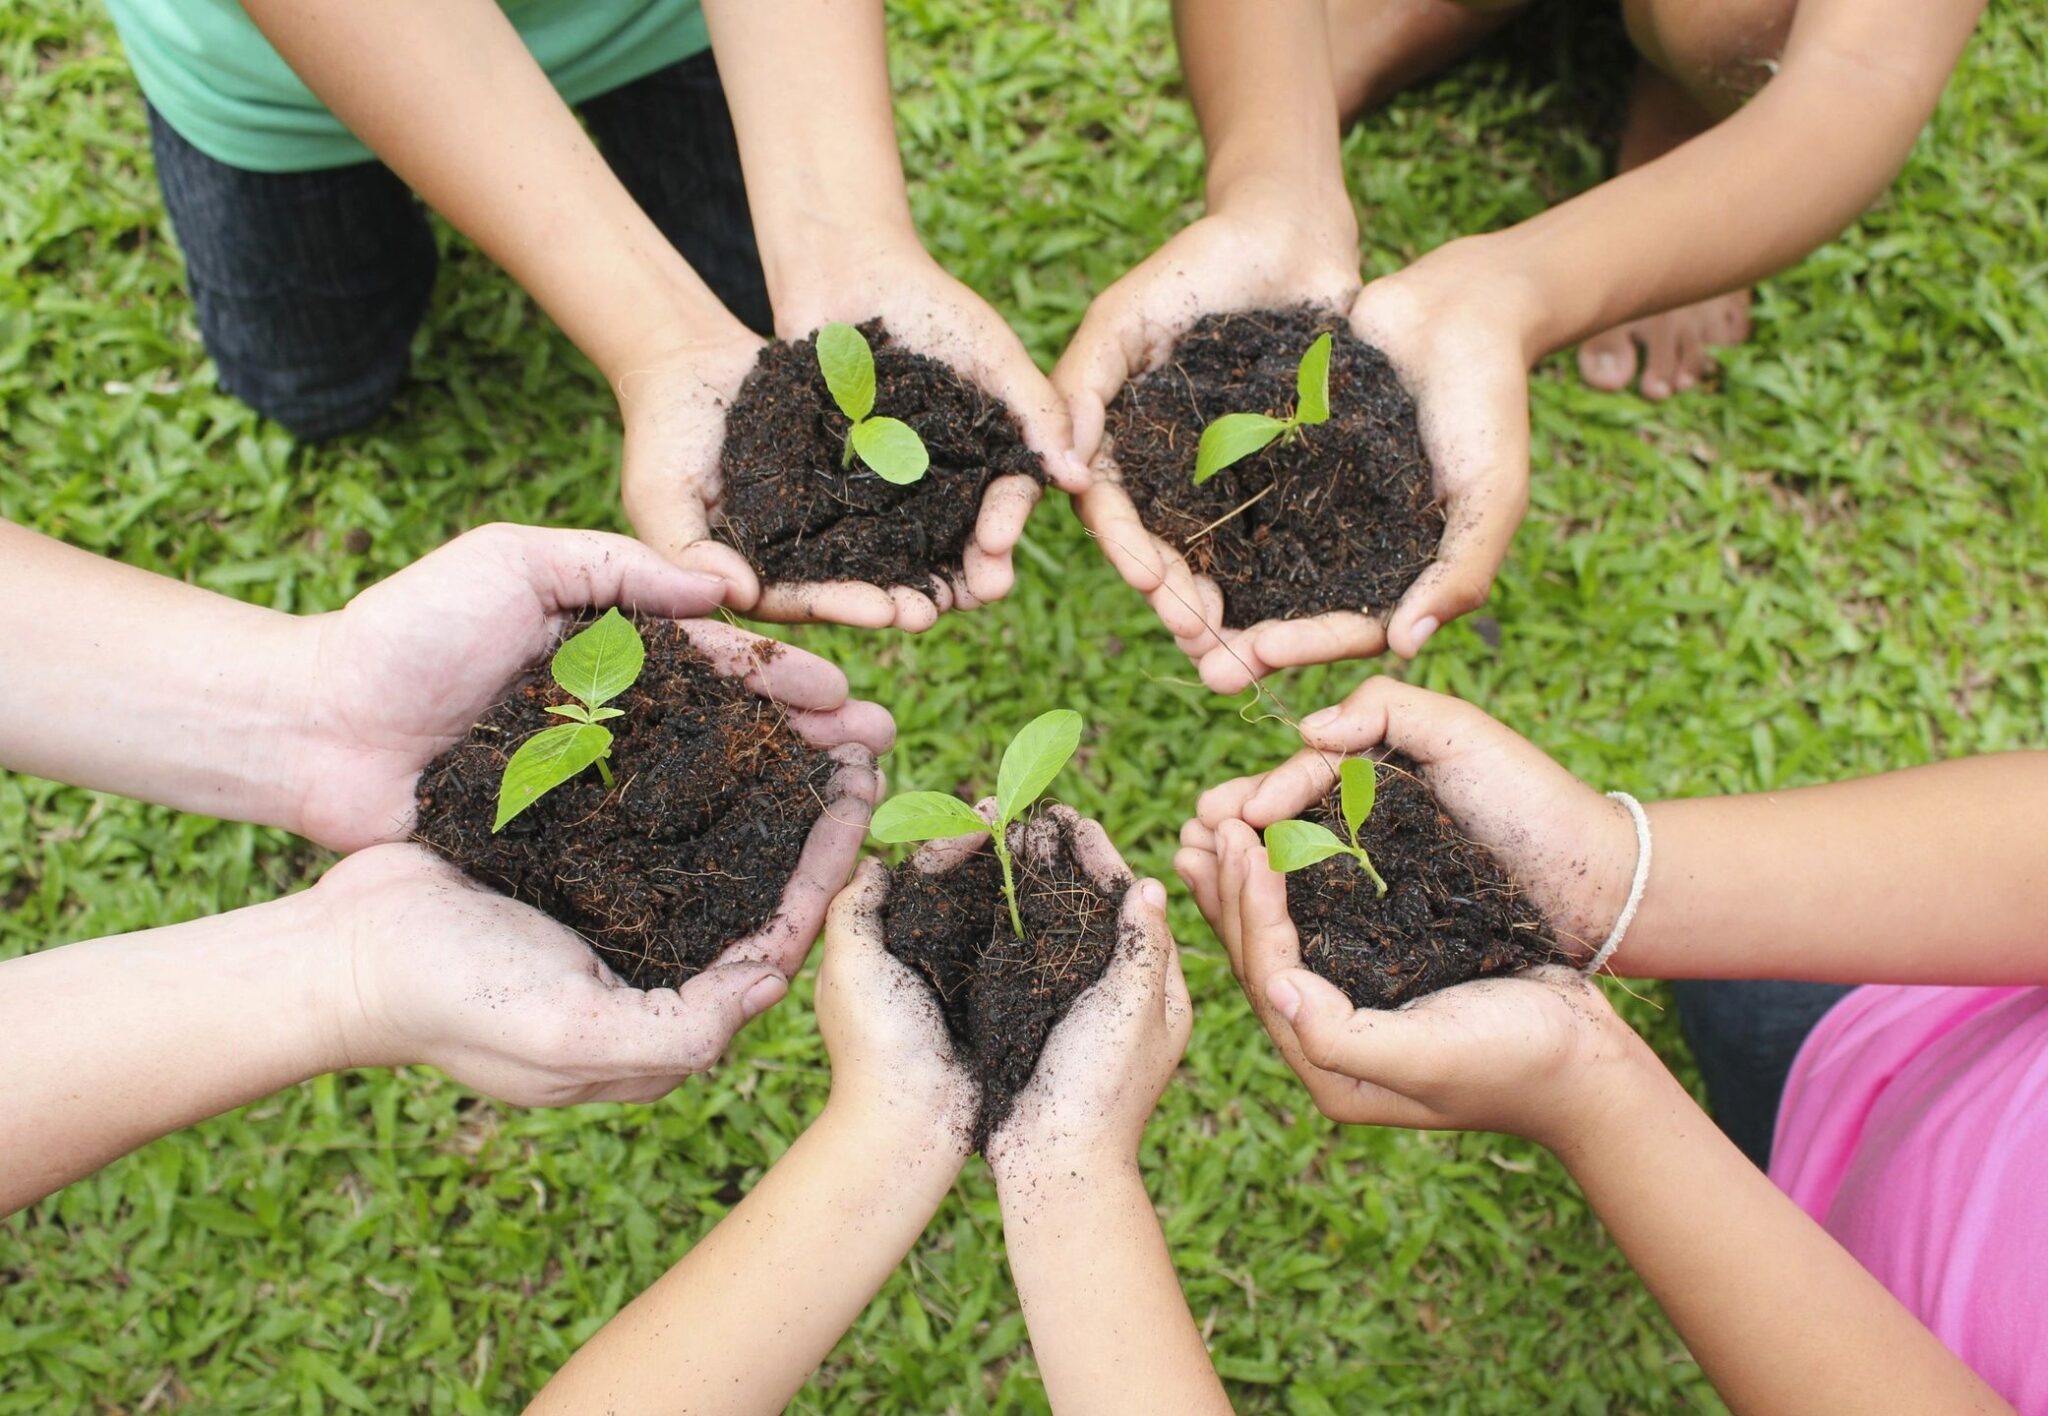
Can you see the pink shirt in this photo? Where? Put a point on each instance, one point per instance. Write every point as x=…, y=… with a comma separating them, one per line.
x=1915, y=1128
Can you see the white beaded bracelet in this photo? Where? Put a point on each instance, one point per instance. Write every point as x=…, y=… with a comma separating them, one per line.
x=1635, y=888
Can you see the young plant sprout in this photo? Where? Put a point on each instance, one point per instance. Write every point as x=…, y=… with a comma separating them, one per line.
x=1033, y=758
x=888, y=445
x=1236, y=436
x=595, y=667
x=1296, y=845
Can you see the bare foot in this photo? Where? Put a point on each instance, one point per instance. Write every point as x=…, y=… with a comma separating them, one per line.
x=1676, y=345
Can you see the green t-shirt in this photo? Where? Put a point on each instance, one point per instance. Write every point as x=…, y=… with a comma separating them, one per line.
x=216, y=80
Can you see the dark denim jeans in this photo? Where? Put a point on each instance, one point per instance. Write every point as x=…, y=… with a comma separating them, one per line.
x=1744, y=1036
x=310, y=285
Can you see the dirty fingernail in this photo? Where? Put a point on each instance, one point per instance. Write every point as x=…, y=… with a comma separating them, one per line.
x=1284, y=997
x=1152, y=893
x=1322, y=718
x=764, y=995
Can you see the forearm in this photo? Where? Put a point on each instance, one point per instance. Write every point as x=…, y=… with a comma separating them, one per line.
x=1259, y=77
x=1930, y=875
x=450, y=98
x=123, y=681
x=1109, y=1325
x=1777, y=1314
x=739, y=1324
x=111, y=1043
x=1756, y=193
x=808, y=85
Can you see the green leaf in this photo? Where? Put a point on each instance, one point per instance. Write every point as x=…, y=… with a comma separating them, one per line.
x=1312, y=383
x=1232, y=438
x=575, y=712
x=1293, y=845
x=1033, y=758
x=849, y=368
x=546, y=760
x=1357, y=784
x=924, y=816
x=604, y=715
x=893, y=448
x=600, y=663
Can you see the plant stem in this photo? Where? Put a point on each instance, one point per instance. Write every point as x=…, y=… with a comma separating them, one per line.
x=846, y=451
x=1366, y=861
x=604, y=770
x=1009, y=881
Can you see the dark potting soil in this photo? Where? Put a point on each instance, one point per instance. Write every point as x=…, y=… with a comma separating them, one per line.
x=1343, y=518
x=1450, y=913
x=716, y=796
x=1001, y=997
x=796, y=514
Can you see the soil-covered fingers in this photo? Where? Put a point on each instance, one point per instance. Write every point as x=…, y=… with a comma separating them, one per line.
x=670, y=1032
x=1111, y=347
x=1250, y=654
x=848, y=602
x=577, y=570
x=1092, y=849
x=793, y=677
x=1147, y=564
x=823, y=866
x=854, y=723
x=987, y=573
x=1286, y=791
x=1427, y=726
x=1225, y=802
x=1480, y=525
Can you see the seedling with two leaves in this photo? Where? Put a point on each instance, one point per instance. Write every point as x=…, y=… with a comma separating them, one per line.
x=890, y=446
x=594, y=666
x=1033, y=758
x=1236, y=436
x=1296, y=845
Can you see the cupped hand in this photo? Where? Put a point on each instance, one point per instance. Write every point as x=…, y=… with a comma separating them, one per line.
x=893, y=1063
x=1572, y=849
x=1262, y=255
x=410, y=664
x=929, y=312
x=1109, y=1059
x=1525, y=1055
x=434, y=969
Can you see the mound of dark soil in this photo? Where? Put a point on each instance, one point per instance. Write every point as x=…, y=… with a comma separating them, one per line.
x=1002, y=996
x=796, y=514
x=1343, y=518
x=1450, y=913
x=716, y=796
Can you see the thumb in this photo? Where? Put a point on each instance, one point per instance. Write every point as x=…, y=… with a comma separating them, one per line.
x=1144, y=946
x=692, y=1034
x=1333, y=1035
x=673, y=519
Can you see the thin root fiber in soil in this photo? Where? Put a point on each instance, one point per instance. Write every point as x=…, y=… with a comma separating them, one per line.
x=797, y=514
x=1342, y=517
x=1001, y=996
x=1450, y=913
x=716, y=797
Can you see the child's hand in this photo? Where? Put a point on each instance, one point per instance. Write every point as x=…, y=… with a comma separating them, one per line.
x=1572, y=849
x=892, y=1062
x=1262, y=255
x=432, y=968
x=930, y=313
x=1531, y=1056
x=1108, y=1060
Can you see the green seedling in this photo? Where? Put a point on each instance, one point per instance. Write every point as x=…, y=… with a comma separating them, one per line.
x=594, y=667
x=1236, y=436
x=1033, y=758
x=1296, y=845
x=888, y=445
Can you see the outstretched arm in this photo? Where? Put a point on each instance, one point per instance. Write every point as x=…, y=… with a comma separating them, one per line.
x=1110, y=1327
x=825, y=1227
x=1780, y=1317
x=1928, y=875
x=108, y=1044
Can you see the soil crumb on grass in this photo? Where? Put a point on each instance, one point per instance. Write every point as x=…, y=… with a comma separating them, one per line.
x=1344, y=518
x=716, y=797
x=1450, y=913
x=1002, y=997
x=797, y=514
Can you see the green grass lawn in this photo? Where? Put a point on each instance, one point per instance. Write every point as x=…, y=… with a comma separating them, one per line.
x=1833, y=565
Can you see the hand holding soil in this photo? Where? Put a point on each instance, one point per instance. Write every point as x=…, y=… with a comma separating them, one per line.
x=892, y=1061
x=742, y=778
x=834, y=542
x=405, y=669
x=435, y=969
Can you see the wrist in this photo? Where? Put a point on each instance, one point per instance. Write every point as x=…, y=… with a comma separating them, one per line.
x=1036, y=1178
x=1307, y=202
x=929, y=1138
x=1618, y=1087
x=670, y=322
x=1470, y=280
x=301, y=1003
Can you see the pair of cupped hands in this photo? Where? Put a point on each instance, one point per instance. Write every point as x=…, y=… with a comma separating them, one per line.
x=1451, y=336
